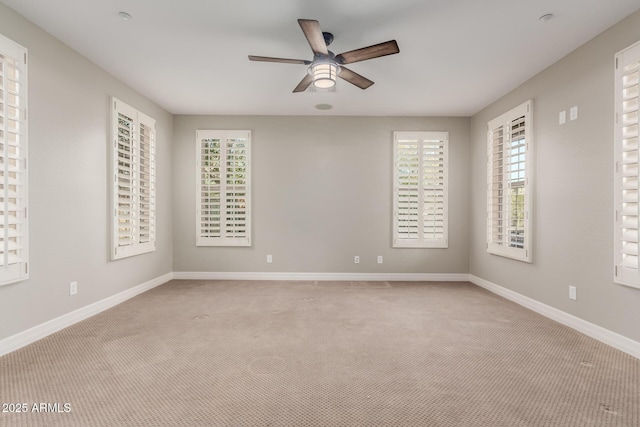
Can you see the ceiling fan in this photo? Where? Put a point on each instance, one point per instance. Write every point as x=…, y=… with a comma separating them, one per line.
x=326, y=66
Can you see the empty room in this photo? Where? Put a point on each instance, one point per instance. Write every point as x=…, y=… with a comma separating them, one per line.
x=293, y=213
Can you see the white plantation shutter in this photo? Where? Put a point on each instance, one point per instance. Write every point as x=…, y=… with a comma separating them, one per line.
x=508, y=184
x=13, y=163
x=627, y=83
x=223, y=199
x=133, y=181
x=420, y=190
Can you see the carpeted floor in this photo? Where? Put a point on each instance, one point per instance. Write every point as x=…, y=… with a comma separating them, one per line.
x=234, y=353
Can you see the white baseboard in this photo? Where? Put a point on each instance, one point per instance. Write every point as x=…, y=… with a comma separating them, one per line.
x=224, y=275
x=601, y=334
x=31, y=335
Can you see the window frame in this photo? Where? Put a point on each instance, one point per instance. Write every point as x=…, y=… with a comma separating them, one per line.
x=626, y=167
x=498, y=241
x=421, y=138
x=15, y=99
x=142, y=190
x=243, y=239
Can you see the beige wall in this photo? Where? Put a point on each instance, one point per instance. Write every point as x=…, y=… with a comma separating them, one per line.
x=573, y=196
x=69, y=120
x=321, y=194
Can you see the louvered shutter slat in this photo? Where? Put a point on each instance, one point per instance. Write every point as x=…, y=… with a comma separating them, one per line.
x=630, y=92
x=630, y=105
x=630, y=131
x=630, y=248
x=12, y=219
x=630, y=158
x=10, y=259
x=630, y=234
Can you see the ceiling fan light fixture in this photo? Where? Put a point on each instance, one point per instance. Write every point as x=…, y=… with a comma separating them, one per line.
x=324, y=74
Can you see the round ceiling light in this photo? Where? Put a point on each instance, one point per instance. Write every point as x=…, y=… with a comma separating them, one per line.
x=546, y=17
x=125, y=16
x=324, y=106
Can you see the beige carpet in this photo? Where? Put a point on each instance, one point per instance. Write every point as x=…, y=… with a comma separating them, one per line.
x=233, y=353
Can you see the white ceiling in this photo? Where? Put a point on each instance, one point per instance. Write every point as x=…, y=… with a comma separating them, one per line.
x=456, y=56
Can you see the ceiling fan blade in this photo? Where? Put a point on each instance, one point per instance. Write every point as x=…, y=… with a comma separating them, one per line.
x=313, y=33
x=354, y=78
x=283, y=60
x=304, y=84
x=369, y=52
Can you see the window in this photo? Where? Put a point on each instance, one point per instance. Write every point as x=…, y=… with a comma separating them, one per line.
x=223, y=206
x=14, y=253
x=509, y=184
x=134, y=180
x=420, y=189
x=627, y=80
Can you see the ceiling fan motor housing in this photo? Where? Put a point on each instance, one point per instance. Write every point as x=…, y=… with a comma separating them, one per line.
x=328, y=37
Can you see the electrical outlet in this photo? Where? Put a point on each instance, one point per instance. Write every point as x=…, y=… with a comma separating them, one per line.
x=269, y=259
x=379, y=259
x=572, y=293
x=73, y=288
x=562, y=117
x=356, y=259
x=573, y=113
